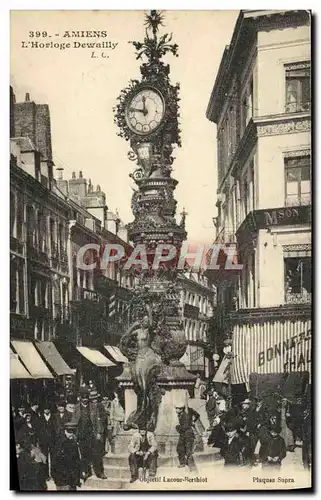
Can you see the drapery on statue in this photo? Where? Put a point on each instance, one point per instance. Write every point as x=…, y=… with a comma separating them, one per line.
x=145, y=365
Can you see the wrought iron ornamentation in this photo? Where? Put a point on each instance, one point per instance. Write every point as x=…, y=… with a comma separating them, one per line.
x=155, y=75
x=147, y=116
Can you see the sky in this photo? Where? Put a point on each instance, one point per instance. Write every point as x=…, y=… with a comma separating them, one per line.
x=81, y=92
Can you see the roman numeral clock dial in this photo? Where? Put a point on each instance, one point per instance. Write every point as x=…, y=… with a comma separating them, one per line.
x=145, y=111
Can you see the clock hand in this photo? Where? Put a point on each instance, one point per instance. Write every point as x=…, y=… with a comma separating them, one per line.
x=136, y=109
x=145, y=111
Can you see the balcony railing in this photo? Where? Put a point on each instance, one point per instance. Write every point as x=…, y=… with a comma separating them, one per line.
x=39, y=311
x=304, y=199
x=36, y=254
x=298, y=298
x=297, y=107
x=226, y=235
x=85, y=294
x=21, y=326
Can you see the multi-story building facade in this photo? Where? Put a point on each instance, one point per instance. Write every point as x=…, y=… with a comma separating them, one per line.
x=54, y=303
x=197, y=297
x=261, y=106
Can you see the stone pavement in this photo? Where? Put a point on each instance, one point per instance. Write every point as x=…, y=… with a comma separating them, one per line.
x=210, y=475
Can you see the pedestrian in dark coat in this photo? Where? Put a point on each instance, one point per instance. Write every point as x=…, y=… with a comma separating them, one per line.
x=273, y=450
x=39, y=464
x=296, y=410
x=211, y=406
x=35, y=414
x=306, y=438
x=185, y=446
x=47, y=435
x=60, y=418
x=26, y=476
x=106, y=406
x=28, y=433
x=234, y=448
x=20, y=416
x=97, y=417
x=85, y=431
x=67, y=473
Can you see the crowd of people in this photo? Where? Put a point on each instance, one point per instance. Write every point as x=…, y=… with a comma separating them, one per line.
x=254, y=433
x=65, y=439
x=246, y=435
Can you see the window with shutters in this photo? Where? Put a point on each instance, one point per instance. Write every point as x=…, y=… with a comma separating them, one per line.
x=298, y=87
x=298, y=181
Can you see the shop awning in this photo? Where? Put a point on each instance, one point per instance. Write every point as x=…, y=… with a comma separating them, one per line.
x=221, y=376
x=95, y=357
x=17, y=370
x=186, y=358
x=31, y=359
x=53, y=358
x=116, y=354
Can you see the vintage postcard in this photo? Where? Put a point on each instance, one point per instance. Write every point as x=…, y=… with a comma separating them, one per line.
x=160, y=250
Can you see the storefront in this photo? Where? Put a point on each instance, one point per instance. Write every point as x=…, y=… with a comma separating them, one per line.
x=267, y=350
x=94, y=366
x=36, y=369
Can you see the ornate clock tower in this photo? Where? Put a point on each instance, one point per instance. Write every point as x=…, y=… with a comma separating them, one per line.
x=147, y=115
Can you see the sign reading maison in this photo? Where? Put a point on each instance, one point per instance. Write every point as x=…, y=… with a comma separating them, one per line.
x=283, y=216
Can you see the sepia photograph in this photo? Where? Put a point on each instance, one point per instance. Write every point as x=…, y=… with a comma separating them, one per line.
x=160, y=250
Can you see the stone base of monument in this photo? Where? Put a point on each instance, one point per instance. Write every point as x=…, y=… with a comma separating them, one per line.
x=118, y=474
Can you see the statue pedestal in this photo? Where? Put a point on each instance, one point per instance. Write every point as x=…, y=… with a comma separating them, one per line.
x=165, y=432
x=176, y=382
x=130, y=402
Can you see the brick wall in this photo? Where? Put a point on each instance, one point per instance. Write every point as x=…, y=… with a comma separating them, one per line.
x=33, y=120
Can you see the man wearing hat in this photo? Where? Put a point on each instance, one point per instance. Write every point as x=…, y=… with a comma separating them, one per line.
x=71, y=402
x=211, y=406
x=97, y=416
x=60, y=417
x=34, y=411
x=47, y=434
x=20, y=416
x=234, y=448
x=273, y=450
x=28, y=433
x=67, y=472
x=90, y=417
x=84, y=431
x=186, y=425
x=142, y=454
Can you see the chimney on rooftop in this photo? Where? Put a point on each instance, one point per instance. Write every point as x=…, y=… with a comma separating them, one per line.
x=27, y=99
x=61, y=183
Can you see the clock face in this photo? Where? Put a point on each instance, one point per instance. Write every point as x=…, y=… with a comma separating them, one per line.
x=145, y=111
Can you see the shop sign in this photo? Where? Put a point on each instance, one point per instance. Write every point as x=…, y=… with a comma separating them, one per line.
x=296, y=353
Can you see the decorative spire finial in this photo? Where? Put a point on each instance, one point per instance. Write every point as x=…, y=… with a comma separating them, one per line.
x=154, y=20
x=152, y=48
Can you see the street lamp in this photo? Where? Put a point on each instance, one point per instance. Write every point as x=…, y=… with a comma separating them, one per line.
x=227, y=350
